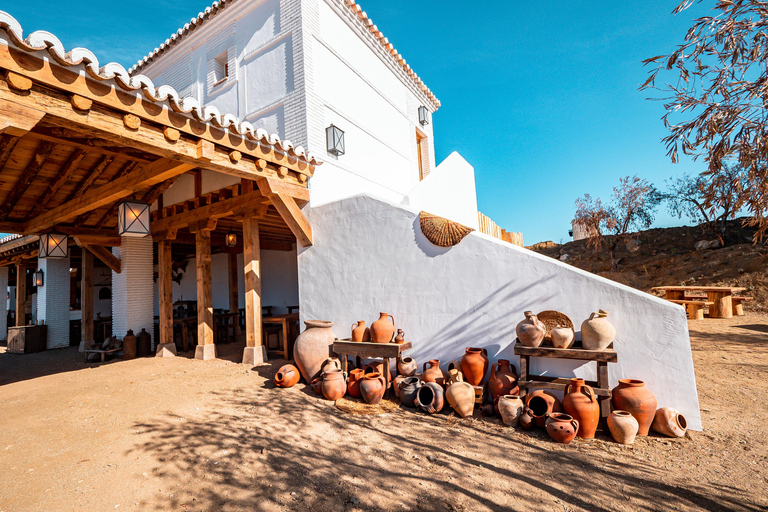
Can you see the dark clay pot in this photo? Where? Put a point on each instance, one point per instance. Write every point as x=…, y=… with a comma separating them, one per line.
x=430, y=398
x=129, y=346
x=144, y=344
x=372, y=388
x=408, y=389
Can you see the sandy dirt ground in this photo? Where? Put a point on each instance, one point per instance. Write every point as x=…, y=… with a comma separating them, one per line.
x=179, y=434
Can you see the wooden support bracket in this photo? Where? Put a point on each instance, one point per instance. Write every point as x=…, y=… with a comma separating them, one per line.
x=103, y=254
x=286, y=206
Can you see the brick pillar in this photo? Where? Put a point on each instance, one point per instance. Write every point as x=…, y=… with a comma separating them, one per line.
x=3, y=303
x=133, y=288
x=53, y=300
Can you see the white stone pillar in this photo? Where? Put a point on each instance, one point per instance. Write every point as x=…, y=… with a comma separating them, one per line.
x=3, y=303
x=133, y=287
x=53, y=300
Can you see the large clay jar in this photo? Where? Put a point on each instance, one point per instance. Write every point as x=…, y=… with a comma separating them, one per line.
x=581, y=403
x=430, y=398
x=332, y=363
x=287, y=376
x=474, y=365
x=407, y=366
x=129, y=346
x=334, y=385
x=408, y=389
x=541, y=403
x=433, y=373
x=561, y=427
x=143, y=344
x=510, y=409
x=503, y=379
x=526, y=419
x=372, y=388
x=360, y=332
x=530, y=331
x=353, y=386
x=632, y=396
x=460, y=395
x=597, y=332
x=562, y=337
x=669, y=422
x=382, y=330
x=313, y=347
x=623, y=427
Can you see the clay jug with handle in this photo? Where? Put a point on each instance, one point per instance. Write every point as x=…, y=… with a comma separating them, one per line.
x=460, y=395
x=360, y=332
x=581, y=403
x=597, y=332
x=433, y=373
x=372, y=388
x=503, y=379
x=382, y=330
x=530, y=331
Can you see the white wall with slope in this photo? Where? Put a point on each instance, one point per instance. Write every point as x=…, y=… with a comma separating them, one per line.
x=370, y=256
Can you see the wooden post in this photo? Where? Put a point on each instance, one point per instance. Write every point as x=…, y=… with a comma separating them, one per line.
x=723, y=305
x=86, y=301
x=166, y=347
x=234, y=295
x=21, y=292
x=205, y=348
x=254, y=352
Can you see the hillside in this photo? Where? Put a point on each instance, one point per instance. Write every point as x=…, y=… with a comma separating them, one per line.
x=666, y=256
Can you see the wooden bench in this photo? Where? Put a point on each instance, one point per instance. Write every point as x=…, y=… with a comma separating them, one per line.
x=738, y=310
x=695, y=308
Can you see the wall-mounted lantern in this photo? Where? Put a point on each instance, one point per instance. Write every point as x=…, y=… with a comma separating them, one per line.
x=133, y=219
x=334, y=140
x=53, y=245
x=230, y=240
x=39, y=277
x=423, y=115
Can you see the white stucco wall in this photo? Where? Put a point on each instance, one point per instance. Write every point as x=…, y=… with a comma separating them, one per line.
x=369, y=256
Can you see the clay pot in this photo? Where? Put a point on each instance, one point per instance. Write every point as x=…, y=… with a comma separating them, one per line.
x=581, y=403
x=334, y=385
x=503, y=379
x=510, y=409
x=632, y=396
x=454, y=365
x=530, y=331
x=382, y=330
x=396, y=384
x=430, y=398
x=623, y=427
x=400, y=338
x=597, y=332
x=129, y=346
x=562, y=337
x=287, y=376
x=332, y=363
x=407, y=366
x=377, y=368
x=372, y=388
x=541, y=403
x=313, y=347
x=408, y=389
x=317, y=385
x=669, y=422
x=433, y=373
x=561, y=427
x=353, y=383
x=526, y=419
x=143, y=344
x=488, y=411
x=474, y=365
x=360, y=332
x=460, y=395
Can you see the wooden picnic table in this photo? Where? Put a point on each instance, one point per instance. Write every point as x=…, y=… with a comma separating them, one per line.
x=285, y=321
x=720, y=296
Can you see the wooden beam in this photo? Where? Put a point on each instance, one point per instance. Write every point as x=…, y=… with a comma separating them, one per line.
x=149, y=197
x=164, y=264
x=204, y=294
x=234, y=296
x=218, y=210
x=104, y=255
x=61, y=178
x=21, y=292
x=91, y=177
x=7, y=143
x=17, y=120
x=18, y=243
x=270, y=186
x=289, y=211
x=42, y=152
x=86, y=301
x=252, y=269
x=106, y=241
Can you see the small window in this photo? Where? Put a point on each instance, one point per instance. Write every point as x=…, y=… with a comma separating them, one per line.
x=220, y=68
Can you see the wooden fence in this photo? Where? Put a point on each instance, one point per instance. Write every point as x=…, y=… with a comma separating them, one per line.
x=488, y=227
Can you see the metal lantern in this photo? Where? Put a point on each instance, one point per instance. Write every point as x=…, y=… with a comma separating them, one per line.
x=53, y=245
x=39, y=277
x=423, y=115
x=133, y=219
x=230, y=240
x=334, y=140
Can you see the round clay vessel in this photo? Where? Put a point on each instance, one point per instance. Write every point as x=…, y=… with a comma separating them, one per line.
x=454, y=365
x=353, y=386
x=530, y=331
x=360, y=332
x=287, y=376
x=597, y=332
x=396, y=384
x=510, y=409
x=460, y=395
x=377, y=368
x=129, y=346
x=562, y=337
x=542, y=402
x=503, y=379
x=669, y=422
x=334, y=385
x=332, y=363
x=623, y=427
x=526, y=419
x=632, y=396
x=430, y=398
x=433, y=373
x=488, y=411
x=317, y=385
x=372, y=388
x=382, y=330
x=313, y=347
x=407, y=366
x=581, y=403
x=474, y=365
x=408, y=389
x=143, y=344
x=561, y=427
x=400, y=338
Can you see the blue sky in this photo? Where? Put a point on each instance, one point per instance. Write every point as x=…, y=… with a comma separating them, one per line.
x=540, y=97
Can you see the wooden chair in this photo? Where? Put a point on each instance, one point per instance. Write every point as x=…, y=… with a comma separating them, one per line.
x=738, y=309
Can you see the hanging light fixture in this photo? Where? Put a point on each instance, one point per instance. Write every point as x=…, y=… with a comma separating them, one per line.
x=39, y=277
x=133, y=219
x=53, y=245
x=334, y=140
x=230, y=240
x=423, y=115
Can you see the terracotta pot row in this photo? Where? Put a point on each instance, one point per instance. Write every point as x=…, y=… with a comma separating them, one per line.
x=381, y=331
x=596, y=332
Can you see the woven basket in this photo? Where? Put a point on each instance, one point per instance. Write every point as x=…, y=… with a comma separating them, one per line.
x=552, y=319
x=441, y=231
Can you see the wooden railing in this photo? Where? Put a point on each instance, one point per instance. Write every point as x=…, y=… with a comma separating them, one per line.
x=488, y=227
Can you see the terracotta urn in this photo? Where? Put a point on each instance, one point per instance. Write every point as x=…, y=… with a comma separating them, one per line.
x=377, y=368
x=503, y=379
x=632, y=396
x=510, y=409
x=561, y=427
x=334, y=385
x=332, y=363
x=313, y=347
x=669, y=422
x=433, y=373
x=353, y=383
x=541, y=403
x=526, y=419
x=597, y=332
x=562, y=337
x=396, y=384
x=623, y=427
x=382, y=330
x=530, y=331
x=400, y=338
x=474, y=365
x=360, y=332
x=460, y=395
x=129, y=346
x=408, y=389
x=430, y=398
x=143, y=344
x=581, y=403
x=372, y=388
x=287, y=376
x=407, y=366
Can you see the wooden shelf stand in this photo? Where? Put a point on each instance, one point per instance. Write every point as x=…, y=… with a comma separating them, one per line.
x=383, y=351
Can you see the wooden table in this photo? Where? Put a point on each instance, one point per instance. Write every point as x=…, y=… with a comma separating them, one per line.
x=285, y=321
x=185, y=330
x=601, y=357
x=720, y=296
x=383, y=351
